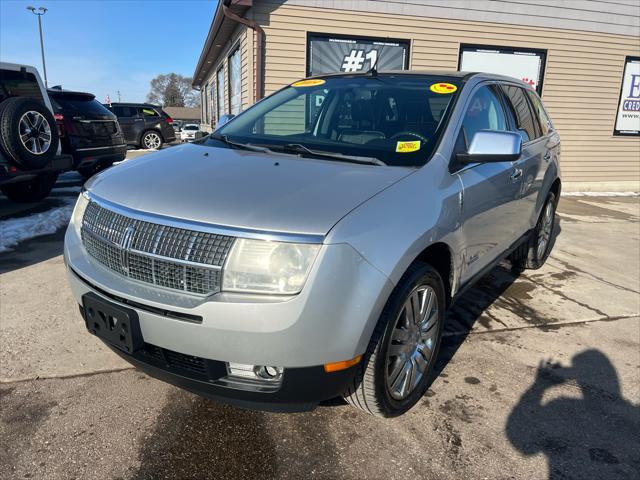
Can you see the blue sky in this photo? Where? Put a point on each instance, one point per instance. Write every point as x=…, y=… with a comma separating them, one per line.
x=110, y=45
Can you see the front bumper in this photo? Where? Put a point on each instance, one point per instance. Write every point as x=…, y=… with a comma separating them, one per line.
x=87, y=157
x=301, y=389
x=331, y=320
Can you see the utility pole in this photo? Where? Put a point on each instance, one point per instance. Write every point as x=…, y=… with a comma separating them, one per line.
x=42, y=11
x=119, y=98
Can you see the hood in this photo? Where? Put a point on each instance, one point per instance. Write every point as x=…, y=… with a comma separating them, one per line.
x=242, y=189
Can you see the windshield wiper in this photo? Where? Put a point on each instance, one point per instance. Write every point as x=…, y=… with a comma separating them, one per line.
x=244, y=146
x=298, y=148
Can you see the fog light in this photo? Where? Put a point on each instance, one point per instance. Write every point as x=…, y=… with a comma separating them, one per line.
x=267, y=372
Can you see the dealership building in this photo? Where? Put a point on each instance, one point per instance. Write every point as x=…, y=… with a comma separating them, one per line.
x=582, y=56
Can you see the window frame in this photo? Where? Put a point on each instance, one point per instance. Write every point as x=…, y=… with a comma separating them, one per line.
x=220, y=92
x=234, y=50
x=616, y=132
x=406, y=43
x=542, y=53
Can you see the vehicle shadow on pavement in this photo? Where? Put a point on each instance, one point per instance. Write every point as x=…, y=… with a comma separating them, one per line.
x=504, y=286
x=593, y=433
x=196, y=438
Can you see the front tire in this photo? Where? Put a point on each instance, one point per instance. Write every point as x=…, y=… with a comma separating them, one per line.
x=151, y=140
x=32, y=190
x=533, y=253
x=398, y=366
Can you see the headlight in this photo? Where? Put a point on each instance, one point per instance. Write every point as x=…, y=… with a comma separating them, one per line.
x=275, y=268
x=78, y=211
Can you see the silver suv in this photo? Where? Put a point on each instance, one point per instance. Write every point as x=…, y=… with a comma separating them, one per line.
x=309, y=248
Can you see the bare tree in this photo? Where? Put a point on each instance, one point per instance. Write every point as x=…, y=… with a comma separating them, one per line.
x=173, y=90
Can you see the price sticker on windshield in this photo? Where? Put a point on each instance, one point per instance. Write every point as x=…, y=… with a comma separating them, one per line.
x=312, y=82
x=443, y=88
x=408, y=147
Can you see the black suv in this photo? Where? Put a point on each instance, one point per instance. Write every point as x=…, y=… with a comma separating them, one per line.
x=29, y=145
x=88, y=131
x=144, y=125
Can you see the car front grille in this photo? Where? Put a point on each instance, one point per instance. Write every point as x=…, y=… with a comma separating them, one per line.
x=162, y=255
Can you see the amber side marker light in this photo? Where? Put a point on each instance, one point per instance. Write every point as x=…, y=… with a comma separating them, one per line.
x=337, y=366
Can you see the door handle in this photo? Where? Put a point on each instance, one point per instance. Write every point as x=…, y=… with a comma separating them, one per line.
x=517, y=173
x=547, y=156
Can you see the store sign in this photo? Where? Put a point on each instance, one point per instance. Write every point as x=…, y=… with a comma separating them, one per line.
x=524, y=64
x=340, y=54
x=628, y=117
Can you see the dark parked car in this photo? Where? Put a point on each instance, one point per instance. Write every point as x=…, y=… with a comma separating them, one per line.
x=144, y=125
x=88, y=131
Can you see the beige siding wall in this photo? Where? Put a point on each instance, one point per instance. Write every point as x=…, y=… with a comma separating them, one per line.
x=581, y=82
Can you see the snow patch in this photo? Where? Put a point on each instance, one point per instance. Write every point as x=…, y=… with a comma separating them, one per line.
x=15, y=230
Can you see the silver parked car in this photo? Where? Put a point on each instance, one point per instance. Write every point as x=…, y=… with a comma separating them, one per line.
x=309, y=248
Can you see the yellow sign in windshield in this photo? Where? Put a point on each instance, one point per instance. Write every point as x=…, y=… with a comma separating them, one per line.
x=408, y=147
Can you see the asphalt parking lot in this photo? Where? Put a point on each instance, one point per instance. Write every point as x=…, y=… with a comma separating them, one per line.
x=539, y=377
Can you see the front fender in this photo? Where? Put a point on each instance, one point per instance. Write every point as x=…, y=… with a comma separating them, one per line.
x=391, y=229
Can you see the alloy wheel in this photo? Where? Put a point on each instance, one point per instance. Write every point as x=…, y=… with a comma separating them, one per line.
x=152, y=141
x=544, y=234
x=412, y=342
x=35, y=132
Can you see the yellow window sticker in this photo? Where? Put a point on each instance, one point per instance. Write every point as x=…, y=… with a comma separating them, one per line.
x=408, y=147
x=148, y=112
x=312, y=82
x=443, y=88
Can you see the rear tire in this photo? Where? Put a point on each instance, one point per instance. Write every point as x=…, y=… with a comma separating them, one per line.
x=151, y=140
x=28, y=132
x=32, y=190
x=534, y=251
x=378, y=385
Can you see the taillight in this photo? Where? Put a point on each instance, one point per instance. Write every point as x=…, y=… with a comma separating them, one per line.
x=169, y=120
x=60, y=123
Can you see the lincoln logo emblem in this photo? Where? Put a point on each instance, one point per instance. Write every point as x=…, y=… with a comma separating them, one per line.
x=125, y=247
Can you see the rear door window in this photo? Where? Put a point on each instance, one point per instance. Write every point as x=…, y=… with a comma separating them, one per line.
x=147, y=112
x=125, y=112
x=544, y=120
x=521, y=111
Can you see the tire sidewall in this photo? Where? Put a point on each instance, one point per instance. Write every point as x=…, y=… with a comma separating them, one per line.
x=534, y=261
x=424, y=274
x=11, y=112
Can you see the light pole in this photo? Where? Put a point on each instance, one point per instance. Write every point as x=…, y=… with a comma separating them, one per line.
x=41, y=11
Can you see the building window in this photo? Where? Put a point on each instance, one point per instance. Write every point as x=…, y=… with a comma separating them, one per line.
x=220, y=95
x=235, y=82
x=336, y=53
x=212, y=119
x=628, y=116
x=205, y=105
x=521, y=63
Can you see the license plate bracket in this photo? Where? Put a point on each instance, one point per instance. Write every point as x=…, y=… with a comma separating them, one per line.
x=117, y=325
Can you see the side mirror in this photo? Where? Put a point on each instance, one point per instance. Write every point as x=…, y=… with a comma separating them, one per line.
x=224, y=119
x=492, y=146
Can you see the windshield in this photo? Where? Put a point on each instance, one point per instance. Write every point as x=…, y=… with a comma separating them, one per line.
x=396, y=119
x=190, y=127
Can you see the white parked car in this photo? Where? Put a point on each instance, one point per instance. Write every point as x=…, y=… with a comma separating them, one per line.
x=189, y=131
